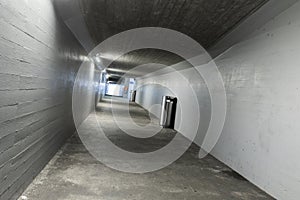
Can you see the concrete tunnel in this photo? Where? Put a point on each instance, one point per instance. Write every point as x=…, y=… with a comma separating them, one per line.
x=149, y=99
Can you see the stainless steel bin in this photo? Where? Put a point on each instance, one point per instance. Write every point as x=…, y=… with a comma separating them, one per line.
x=133, y=96
x=168, y=112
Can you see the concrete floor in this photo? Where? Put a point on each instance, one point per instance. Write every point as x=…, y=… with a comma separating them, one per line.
x=73, y=174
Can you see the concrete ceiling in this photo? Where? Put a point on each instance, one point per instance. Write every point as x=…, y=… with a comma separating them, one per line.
x=136, y=61
x=206, y=21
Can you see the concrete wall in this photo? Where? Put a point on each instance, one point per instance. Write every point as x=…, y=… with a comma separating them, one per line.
x=261, y=136
x=85, y=92
x=39, y=58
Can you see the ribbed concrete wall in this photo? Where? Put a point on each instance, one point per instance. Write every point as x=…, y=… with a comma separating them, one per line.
x=38, y=67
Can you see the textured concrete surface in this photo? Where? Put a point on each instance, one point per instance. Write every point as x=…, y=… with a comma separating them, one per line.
x=261, y=75
x=74, y=174
x=38, y=62
x=205, y=21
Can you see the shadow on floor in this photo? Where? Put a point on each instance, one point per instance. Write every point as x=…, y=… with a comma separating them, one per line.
x=73, y=174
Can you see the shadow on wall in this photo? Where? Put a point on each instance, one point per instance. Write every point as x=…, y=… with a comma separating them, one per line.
x=152, y=103
x=151, y=90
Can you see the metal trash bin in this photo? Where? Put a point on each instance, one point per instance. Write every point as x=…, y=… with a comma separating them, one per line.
x=133, y=96
x=168, y=112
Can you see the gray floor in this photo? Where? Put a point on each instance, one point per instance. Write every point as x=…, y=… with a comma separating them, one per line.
x=73, y=174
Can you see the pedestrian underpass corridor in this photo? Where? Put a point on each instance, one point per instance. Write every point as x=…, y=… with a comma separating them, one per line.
x=74, y=174
x=149, y=99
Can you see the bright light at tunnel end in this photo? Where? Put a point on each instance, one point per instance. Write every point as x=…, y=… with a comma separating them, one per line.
x=93, y=135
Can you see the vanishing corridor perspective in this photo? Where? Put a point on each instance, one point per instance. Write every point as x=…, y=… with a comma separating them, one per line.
x=149, y=99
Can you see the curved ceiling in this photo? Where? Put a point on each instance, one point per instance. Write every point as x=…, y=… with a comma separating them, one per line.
x=206, y=21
